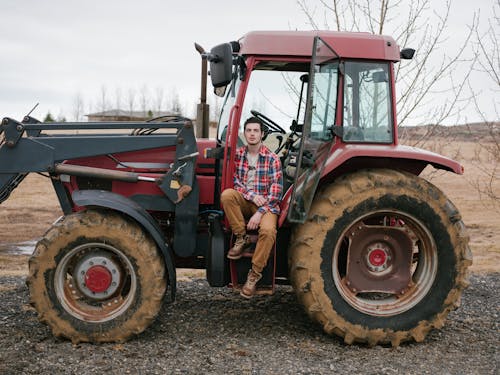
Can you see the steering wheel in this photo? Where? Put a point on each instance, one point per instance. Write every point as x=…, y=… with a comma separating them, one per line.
x=274, y=127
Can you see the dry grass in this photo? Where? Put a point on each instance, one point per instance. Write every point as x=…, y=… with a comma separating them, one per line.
x=480, y=215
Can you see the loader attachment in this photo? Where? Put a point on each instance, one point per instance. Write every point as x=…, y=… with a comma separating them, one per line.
x=8, y=182
x=25, y=148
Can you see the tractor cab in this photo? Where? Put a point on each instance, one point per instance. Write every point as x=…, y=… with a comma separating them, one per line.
x=314, y=96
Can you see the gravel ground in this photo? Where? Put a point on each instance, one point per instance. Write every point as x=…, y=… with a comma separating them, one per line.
x=214, y=331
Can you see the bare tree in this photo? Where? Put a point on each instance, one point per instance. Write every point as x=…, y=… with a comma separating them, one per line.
x=103, y=106
x=118, y=98
x=215, y=108
x=78, y=106
x=487, y=47
x=174, y=101
x=131, y=100
x=487, y=152
x=158, y=99
x=413, y=24
x=144, y=98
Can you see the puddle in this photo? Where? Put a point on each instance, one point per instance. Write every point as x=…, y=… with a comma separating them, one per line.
x=21, y=248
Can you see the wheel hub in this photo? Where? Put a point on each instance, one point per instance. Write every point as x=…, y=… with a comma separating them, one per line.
x=378, y=257
x=379, y=260
x=97, y=276
x=98, y=279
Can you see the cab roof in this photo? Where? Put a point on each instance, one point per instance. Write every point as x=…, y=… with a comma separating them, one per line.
x=299, y=43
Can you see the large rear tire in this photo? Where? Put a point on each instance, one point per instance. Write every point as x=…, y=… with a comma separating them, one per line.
x=382, y=258
x=96, y=277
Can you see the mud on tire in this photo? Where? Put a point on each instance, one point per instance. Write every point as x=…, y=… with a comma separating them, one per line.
x=342, y=234
x=96, y=276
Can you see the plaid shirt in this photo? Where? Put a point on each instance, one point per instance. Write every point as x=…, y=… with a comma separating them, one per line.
x=268, y=180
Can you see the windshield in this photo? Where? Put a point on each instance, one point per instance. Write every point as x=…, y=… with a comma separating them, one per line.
x=229, y=101
x=272, y=92
x=276, y=95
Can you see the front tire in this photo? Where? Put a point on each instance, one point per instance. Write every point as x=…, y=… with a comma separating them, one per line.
x=381, y=259
x=96, y=277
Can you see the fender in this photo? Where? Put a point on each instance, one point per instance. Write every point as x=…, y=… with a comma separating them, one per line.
x=102, y=198
x=411, y=159
x=350, y=157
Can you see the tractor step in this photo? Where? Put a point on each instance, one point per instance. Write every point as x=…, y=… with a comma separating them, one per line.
x=8, y=182
x=239, y=269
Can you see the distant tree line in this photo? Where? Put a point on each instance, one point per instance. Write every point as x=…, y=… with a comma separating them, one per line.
x=49, y=118
x=145, y=99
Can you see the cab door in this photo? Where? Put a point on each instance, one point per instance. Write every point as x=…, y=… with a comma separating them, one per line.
x=317, y=136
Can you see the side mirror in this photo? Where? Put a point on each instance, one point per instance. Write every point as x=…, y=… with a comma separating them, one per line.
x=407, y=53
x=221, y=64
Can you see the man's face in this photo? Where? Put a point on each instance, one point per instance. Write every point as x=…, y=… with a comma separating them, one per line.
x=253, y=134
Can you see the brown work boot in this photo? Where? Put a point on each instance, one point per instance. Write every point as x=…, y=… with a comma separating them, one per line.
x=250, y=286
x=241, y=243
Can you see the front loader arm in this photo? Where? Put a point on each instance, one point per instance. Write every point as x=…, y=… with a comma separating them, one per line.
x=25, y=148
x=38, y=152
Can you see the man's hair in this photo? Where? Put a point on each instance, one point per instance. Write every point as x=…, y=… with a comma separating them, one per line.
x=255, y=120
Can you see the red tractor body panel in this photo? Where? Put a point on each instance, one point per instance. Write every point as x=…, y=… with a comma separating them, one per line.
x=300, y=43
x=409, y=154
x=151, y=163
x=351, y=157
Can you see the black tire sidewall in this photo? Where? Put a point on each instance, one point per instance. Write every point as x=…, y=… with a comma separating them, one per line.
x=432, y=303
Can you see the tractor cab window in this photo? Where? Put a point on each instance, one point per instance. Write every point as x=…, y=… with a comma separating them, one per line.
x=367, y=103
x=275, y=93
x=227, y=105
x=324, y=98
x=274, y=97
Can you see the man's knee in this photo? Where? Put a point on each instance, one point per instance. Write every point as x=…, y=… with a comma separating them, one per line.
x=227, y=195
x=267, y=232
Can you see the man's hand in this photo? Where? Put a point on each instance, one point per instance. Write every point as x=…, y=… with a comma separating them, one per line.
x=254, y=221
x=259, y=200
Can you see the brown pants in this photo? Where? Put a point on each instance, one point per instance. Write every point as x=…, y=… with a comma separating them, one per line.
x=237, y=209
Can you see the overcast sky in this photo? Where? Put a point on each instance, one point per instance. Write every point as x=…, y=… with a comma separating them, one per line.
x=52, y=50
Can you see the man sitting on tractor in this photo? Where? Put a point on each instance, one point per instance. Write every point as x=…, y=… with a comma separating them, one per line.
x=256, y=196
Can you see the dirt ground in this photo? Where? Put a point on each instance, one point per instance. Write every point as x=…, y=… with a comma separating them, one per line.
x=33, y=207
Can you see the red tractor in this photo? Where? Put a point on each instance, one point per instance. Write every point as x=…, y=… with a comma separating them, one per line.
x=374, y=253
